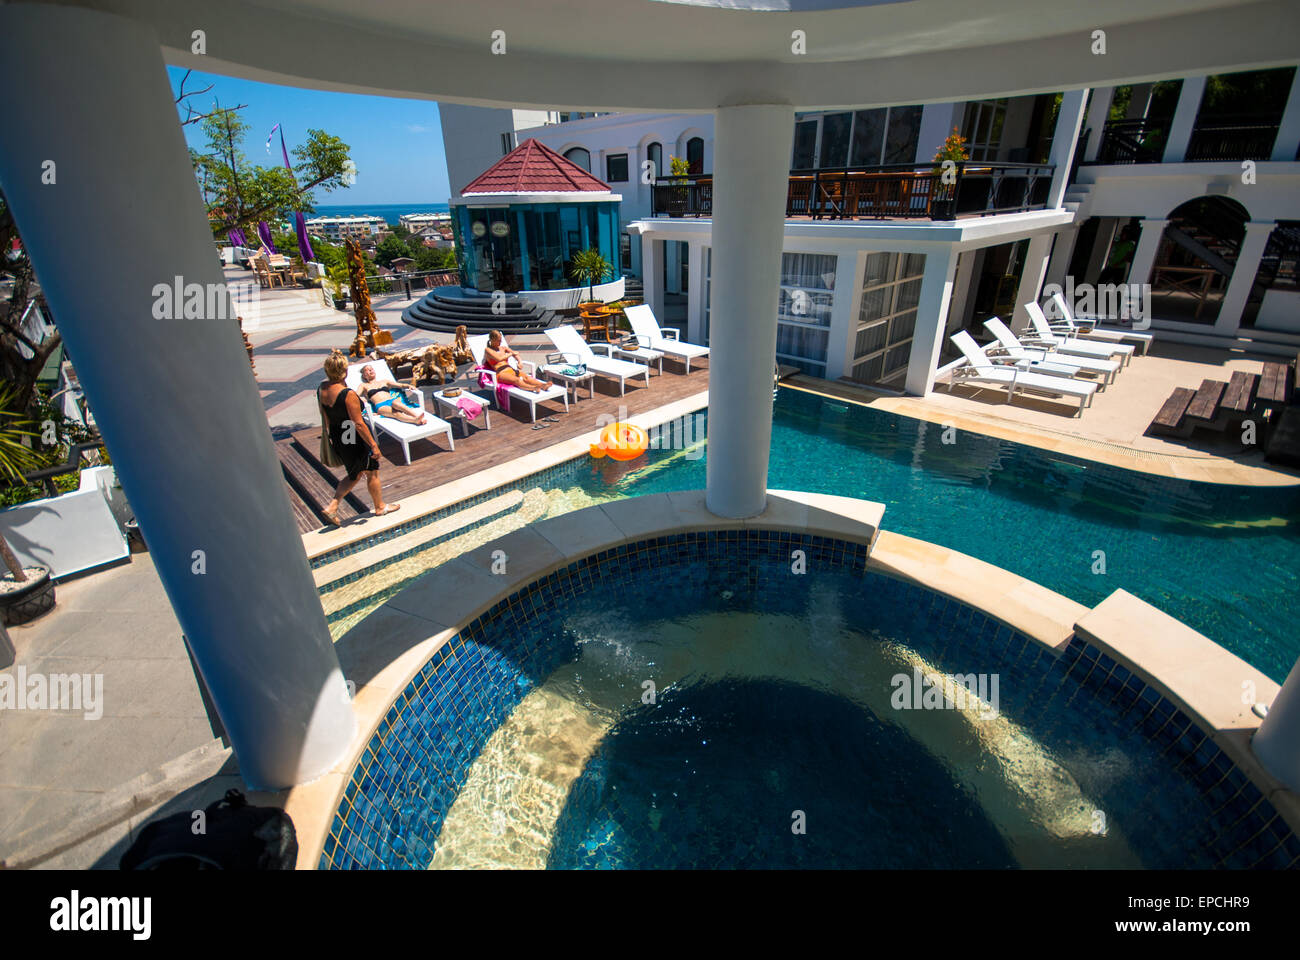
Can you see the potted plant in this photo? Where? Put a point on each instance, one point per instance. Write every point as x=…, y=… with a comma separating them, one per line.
x=590, y=268
x=25, y=591
x=943, y=189
x=337, y=277
x=680, y=169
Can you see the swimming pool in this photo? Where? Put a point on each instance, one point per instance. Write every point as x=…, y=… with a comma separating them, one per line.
x=688, y=701
x=1225, y=560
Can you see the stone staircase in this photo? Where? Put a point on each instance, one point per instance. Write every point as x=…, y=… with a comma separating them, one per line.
x=443, y=311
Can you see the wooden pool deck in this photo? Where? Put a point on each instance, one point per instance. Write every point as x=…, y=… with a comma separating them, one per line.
x=310, y=483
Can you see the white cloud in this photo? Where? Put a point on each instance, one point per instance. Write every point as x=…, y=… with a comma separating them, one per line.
x=417, y=128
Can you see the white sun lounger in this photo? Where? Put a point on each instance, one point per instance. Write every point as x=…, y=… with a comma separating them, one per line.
x=401, y=431
x=978, y=368
x=478, y=344
x=1088, y=330
x=1016, y=350
x=649, y=334
x=569, y=342
x=1044, y=335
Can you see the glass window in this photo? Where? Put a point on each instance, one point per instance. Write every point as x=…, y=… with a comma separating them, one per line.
x=695, y=155
x=579, y=156
x=868, y=137
x=891, y=290
x=616, y=168
x=835, y=140
x=805, y=145
x=624, y=251
x=655, y=154
x=904, y=130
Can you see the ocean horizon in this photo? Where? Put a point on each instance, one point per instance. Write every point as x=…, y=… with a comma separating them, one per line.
x=389, y=211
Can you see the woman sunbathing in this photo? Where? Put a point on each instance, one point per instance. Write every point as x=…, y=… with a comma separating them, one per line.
x=497, y=358
x=386, y=397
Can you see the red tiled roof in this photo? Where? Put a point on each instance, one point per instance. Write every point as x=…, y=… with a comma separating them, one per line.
x=533, y=167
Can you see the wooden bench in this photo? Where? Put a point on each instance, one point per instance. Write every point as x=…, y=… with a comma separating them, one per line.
x=1205, y=404
x=1240, y=393
x=1275, y=384
x=1170, y=417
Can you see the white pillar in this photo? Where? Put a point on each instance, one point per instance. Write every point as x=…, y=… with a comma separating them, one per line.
x=963, y=286
x=931, y=320
x=1098, y=113
x=1139, y=101
x=752, y=161
x=1287, y=142
x=175, y=399
x=842, y=338
x=1180, y=129
x=1064, y=139
x=1031, y=278
x=1148, y=245
x=937, y=122
x=695, y=299
x=1253, y=243
x=1277, y=741
x=1062, y=254
x=1106, y=227
x=652, y=273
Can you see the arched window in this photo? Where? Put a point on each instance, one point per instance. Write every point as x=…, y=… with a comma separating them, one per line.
x=655, y=154
x=579, y=156
x=695, y=155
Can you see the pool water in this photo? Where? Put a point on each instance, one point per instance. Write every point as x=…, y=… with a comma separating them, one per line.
x=715, y=714
x=1223, y=559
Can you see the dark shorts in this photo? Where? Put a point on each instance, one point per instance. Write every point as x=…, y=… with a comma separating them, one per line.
x=360, y=466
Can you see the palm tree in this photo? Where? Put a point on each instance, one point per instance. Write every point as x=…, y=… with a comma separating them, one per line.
x=591, y=268
x=16, y=458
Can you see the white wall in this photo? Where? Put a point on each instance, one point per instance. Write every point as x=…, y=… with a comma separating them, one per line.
x=472, y=139
x=1279, y=311
x=1153, y=190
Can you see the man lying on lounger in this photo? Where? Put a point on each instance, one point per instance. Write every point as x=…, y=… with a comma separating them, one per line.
x=386, y=397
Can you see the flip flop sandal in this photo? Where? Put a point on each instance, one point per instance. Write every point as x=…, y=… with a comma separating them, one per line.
x=539, y=426
x=333, y=518
x=550, y=419
x=388, y=508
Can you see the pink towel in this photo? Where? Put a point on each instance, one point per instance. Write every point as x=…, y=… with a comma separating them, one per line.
x=503, y=390
x=470, y=407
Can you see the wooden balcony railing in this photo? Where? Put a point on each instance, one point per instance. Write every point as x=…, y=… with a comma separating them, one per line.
x=900, y=191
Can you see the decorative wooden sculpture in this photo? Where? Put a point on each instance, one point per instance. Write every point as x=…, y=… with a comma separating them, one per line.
x=248, y=345
x=369, y=335
x=435, y=362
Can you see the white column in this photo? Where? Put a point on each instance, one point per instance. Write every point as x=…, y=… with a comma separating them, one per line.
x=1031, y=278
x=1148, y=245
x=1287, y=142
x=1064, y=139
x=695, y=299
x=931, y=320
x=963, y=286
x=1277, y=741
x=1253, y=243
x=1180, y=130
x=1139, y=101
x=1105, y=235
x=1062, y=254
x=175, y=399
x=1098, y=112
x=652, y=272
x=937, y=121
x=842, y=337
x=752, y=161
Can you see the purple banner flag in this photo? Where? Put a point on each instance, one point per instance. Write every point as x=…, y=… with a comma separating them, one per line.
x=304, y=242
x=264, y=231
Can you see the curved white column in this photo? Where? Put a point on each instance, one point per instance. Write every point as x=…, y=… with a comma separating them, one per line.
x=751, y=180
x=1277, y=741
x=175, y=399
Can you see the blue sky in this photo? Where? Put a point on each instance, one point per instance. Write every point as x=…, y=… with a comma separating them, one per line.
x=397, y=144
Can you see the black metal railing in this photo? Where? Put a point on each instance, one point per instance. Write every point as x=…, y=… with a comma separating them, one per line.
x=896, y=191
x=46, y=475
x=413, y=283
x=1133, y=141
x=1232, y=140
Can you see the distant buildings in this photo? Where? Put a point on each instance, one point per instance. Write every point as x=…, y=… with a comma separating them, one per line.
x=340, y=228
x=415, y=222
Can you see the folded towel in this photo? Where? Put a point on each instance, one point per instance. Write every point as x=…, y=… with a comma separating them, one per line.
x=470, y=407
x=486, y=378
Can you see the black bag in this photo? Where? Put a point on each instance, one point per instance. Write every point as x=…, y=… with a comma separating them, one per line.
x=237, y=837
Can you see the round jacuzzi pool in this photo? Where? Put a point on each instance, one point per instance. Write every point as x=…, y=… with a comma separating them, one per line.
x=755, y=699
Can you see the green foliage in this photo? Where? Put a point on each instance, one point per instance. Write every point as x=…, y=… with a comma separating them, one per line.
x=337, y=277
x=432, y=258
x=19, y=437
x=240, y=193
x=679, y=166
x=589, y=267
x=390, y=249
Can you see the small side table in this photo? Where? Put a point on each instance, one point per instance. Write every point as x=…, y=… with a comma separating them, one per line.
x=639, y=355
x=571, y=381
x=1050, y=368
x=451, y=407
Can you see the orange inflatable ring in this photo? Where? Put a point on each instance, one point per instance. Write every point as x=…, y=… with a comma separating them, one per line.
x=621, y=441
